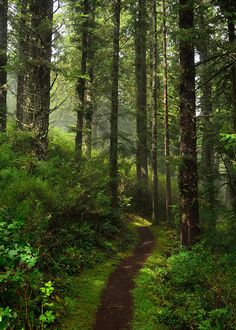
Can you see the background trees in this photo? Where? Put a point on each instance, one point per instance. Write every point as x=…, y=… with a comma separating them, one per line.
x=145, y=94
x=81, y=32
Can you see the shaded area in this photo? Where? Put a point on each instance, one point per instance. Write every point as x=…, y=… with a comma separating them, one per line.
x=116, y=309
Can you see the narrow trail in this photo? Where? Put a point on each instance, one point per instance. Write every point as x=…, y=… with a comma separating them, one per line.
x=116, y=309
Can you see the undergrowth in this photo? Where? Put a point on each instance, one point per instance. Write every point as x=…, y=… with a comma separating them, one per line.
x=55, y=220
x=187, y=289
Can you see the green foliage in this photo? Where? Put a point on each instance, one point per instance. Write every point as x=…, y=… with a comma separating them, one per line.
x=6, y=316
x=191, y=289
x=55, y=219
x=47, y=315
x=82, y=295
x=229, y=140
x=21, y=302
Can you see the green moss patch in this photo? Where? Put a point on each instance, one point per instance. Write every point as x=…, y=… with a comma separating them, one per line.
x=145, y=303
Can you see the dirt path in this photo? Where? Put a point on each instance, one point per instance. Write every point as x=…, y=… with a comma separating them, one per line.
x=116, y=310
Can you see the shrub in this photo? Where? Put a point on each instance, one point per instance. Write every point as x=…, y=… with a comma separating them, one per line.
x=22, y=303
x=194, y=289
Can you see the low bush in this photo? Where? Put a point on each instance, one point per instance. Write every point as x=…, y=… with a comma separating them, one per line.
x=25, y=299
x=55, y=219
x=192, y=289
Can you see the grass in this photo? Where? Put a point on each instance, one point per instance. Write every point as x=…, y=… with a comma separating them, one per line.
x=83, y=296
x=138, y=221
x=83, y=292
x=144, y=299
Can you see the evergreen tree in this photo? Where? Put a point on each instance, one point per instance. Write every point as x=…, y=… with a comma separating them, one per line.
x=3, y=63
x=115, y=106
x=154, y=86
x=188, y=179
x=141, y=98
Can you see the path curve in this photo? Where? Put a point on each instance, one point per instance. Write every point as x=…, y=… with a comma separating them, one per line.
x=116, y=309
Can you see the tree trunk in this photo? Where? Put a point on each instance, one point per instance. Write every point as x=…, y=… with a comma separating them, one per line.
x=89, y=110
x=154, y=86
x=95, y=124
x=19, y=101
x=81, y=84
x=188, y=180
x=3, y=63
x=141, y=100
x=23, y=58
x=89, y=96
x=115, y=107
x=166, y=116
x=206, y=102
x=232, y=40
x=41, y=48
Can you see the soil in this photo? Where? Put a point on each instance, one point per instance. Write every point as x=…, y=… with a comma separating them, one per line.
x=116, y=309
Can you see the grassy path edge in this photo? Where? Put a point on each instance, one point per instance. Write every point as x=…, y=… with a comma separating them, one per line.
x=83, y=296
x=83, y=292
x=144, y=301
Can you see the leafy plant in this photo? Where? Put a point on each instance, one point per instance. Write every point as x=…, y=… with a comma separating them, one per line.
x=47, y=315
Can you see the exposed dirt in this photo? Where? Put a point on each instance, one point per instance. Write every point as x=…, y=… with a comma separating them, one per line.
x=116, y=309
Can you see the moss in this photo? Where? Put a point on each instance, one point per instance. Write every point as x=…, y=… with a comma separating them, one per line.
x=83, y=296
x=83, y=292
x=144, y=306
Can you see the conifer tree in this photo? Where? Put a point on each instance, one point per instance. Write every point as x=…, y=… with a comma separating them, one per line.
x=141, y=97
x=3, y=63
x=115, y=105
x=188, y=179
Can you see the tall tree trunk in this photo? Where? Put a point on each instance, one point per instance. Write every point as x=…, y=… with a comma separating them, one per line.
x=20, y=100
x=188, y=180
x=206, y=102
x=141, y=99
x=166, y=116
x=81, y=84
x=41, y=51
x=3, y=63
x=95, y=123
x=232, y=40
x=23, y=55
x=115, y=106
x=89, y=110
x=154, y=85
x=89, y=98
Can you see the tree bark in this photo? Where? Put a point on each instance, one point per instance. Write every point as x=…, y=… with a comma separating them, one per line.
x=95, y=124
x=19, y=101
x=115, y=106
x=89, y=97
x=154, y=86
x=141, y=99
x=81, y=84
x=39, y=75
x=206, y=102
x=232, y=40
x=3, y=63
x=166, y=116
x=89, y=110
x=23, y=59
x=188, y=179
